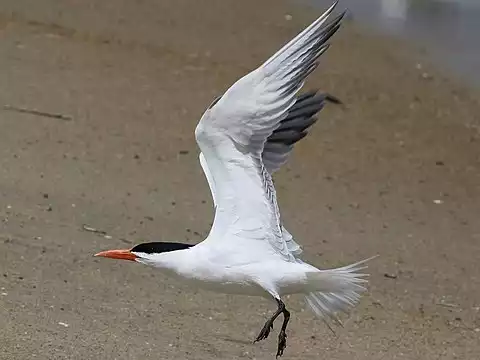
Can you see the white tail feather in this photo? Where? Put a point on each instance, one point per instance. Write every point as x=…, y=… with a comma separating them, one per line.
x=336, y=290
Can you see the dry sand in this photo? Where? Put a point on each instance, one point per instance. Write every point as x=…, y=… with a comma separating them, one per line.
x=396, y=172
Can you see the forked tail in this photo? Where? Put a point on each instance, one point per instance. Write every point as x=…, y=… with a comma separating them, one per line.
x=336, y=290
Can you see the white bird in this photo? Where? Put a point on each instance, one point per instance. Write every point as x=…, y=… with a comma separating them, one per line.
x=244, y=137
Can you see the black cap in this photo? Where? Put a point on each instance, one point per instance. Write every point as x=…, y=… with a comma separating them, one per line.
x=159, y=247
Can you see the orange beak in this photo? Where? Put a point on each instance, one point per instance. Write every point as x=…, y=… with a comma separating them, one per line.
x=118, y=254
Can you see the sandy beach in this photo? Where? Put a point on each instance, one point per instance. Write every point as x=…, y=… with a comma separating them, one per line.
x=393, y=172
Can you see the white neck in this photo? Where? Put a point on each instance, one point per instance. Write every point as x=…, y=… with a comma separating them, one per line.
x=178, y=262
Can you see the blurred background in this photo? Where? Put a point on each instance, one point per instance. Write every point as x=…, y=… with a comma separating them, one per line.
x=446, y=29
x=98, y=105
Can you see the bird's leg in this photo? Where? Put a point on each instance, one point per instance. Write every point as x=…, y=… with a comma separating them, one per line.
x=282, y=336
x=269, y=323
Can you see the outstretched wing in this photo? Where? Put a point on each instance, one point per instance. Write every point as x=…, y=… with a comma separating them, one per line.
x=279, y=145
x=291, y=245
x=237, y=135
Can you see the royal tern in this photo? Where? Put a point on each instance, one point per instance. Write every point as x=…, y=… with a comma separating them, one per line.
x=245, y=136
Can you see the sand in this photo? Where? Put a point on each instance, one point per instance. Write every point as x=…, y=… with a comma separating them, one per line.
x=395, y=172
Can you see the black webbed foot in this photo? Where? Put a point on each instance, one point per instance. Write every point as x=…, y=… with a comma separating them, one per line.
x=282, y=336
x=265, y=331
x=282, y=343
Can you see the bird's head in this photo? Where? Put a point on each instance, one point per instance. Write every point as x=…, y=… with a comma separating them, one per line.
x=145, y=252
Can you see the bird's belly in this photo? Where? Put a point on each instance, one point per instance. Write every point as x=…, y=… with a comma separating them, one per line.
x=281, y=277
x=227, y=281
x=233, y=288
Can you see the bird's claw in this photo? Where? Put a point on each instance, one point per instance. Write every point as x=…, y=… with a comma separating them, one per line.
x=264, y=332
x=282, y=343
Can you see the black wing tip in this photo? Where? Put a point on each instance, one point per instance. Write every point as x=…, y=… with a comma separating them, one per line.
x=325, y=96
x=334, y=6
x=315, y=96
x=287, y=137
x=338, y=18
x=333, y=99
x=335, y=3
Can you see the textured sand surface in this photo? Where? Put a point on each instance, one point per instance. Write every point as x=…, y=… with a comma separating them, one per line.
x=396, y=172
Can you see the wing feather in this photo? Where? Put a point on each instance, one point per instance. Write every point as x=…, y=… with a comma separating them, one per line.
x=247, y=133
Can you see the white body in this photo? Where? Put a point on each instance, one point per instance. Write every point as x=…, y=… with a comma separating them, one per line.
x=248, y=250
x=235, y=273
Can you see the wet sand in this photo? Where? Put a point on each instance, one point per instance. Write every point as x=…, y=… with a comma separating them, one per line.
x=395, y=172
